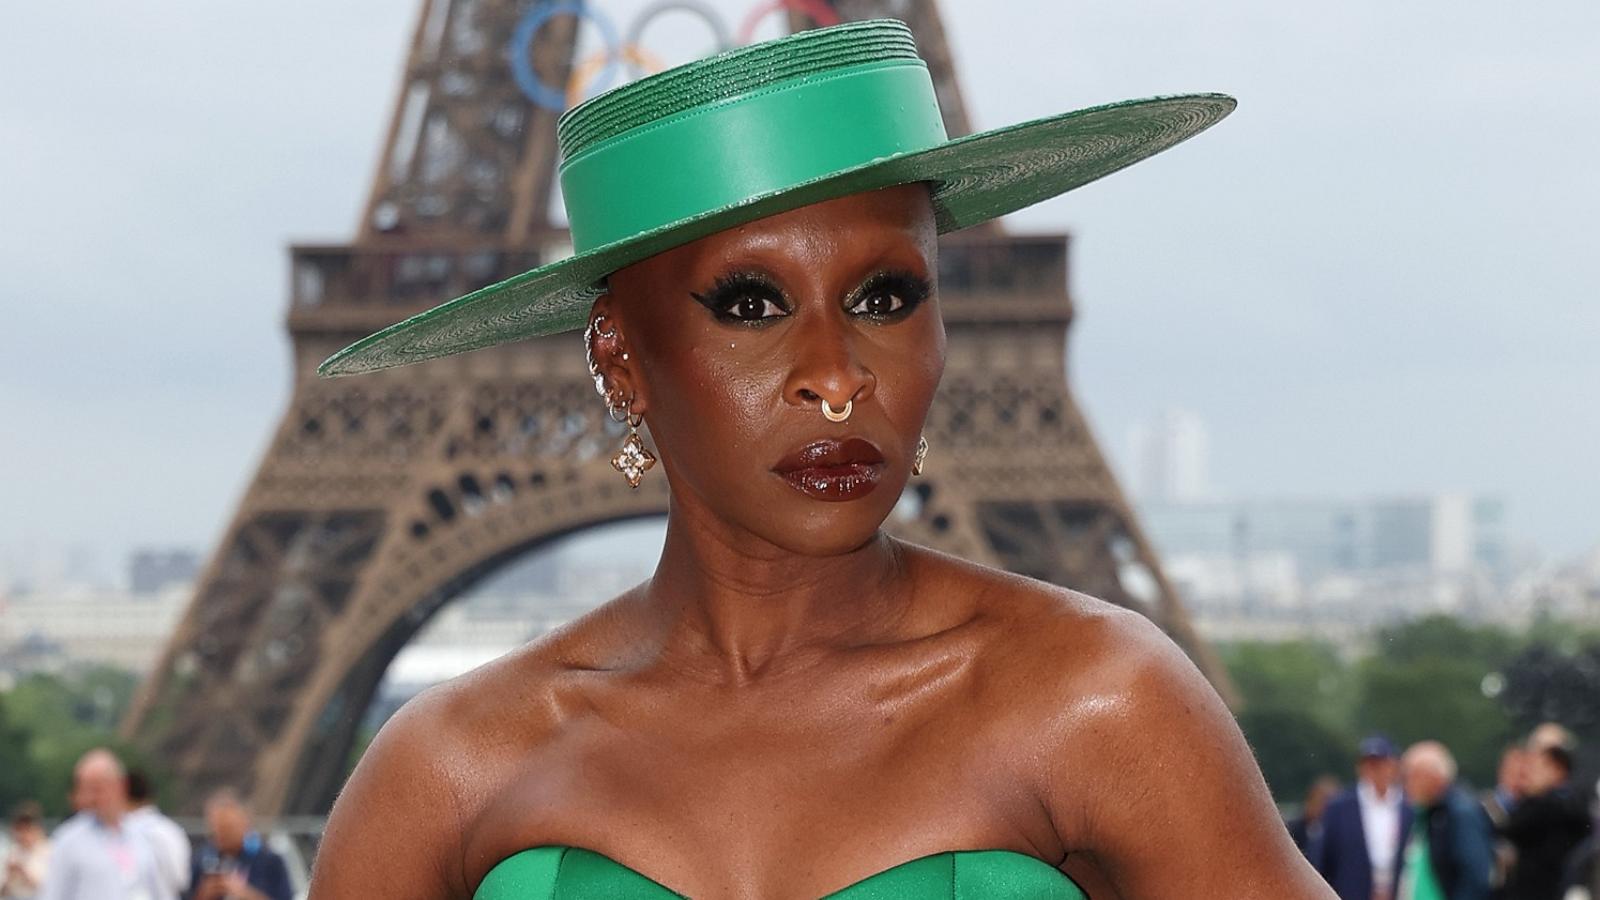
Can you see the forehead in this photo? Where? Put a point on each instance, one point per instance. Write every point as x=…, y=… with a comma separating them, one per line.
x=896, y=221
x=96, y=770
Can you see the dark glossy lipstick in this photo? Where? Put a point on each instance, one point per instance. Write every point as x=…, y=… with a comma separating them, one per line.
x=833, y=470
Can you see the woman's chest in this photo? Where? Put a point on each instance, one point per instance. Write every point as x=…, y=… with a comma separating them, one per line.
x=757, y=799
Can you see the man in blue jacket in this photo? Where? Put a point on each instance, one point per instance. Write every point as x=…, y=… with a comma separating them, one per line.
x=1449, y=853
x=1364, y=828
x=236, y=864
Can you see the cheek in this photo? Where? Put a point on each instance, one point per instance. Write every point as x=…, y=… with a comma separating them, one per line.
x=712, y=390
x=910, y=369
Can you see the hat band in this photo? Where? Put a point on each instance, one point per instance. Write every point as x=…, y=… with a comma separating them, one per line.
x=739, y=149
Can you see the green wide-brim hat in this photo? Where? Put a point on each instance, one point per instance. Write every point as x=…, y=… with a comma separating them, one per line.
x=760, y=130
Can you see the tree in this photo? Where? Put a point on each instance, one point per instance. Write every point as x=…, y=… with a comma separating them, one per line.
x=17, y=776
x=50, y=721
x=1305, y=674
x=1296, y=702
x=1548, y=683
x=1432, y=679
x=1304, y=707
x=1294, y=748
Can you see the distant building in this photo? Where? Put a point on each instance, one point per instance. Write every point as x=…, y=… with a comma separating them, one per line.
x=1274, y=568
x=1170, y=459
x=1441, y=534
x=51, y=630
x=150, y=571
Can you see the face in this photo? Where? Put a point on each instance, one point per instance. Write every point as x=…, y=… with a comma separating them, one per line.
x=734, y=342
x=99, y=788
x=1379, y=771
x=1317, y=799
x=1542, y=773
x=26, y=834
x=1423, y=783
x=228, y=824
x=1512, y=773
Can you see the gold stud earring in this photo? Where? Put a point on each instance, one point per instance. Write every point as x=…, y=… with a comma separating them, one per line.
x=634, y=459
x=922, y=454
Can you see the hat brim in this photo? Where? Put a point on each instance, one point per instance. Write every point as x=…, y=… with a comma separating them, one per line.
x=974, y=179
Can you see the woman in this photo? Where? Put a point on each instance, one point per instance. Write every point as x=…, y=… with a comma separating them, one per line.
x=28, y=858
x=796, y=704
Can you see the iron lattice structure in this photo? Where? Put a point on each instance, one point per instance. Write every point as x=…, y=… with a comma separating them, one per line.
x=381, y=498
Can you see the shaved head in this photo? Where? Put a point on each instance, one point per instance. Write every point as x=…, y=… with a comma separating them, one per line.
x=100, y=785
x=1427, y=768
x=100, y=762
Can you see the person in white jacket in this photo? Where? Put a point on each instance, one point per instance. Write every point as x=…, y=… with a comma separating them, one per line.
x=97, y=854
x=168, y=843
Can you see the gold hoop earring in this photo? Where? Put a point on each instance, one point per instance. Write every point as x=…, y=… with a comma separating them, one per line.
x=832, y=416
x=634, y=459
x=921, y=454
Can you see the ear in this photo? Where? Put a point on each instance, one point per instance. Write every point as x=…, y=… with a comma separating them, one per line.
x=612, y=359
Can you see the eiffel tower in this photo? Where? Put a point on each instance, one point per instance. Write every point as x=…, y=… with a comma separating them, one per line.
x=383, y=497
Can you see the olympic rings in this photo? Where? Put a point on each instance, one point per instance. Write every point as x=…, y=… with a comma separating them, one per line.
x=719, y=29
x=521, y=48
x=603, y=65
x=820, y=13
x=638, y=59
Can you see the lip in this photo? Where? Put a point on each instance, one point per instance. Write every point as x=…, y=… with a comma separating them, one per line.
x=833, y=470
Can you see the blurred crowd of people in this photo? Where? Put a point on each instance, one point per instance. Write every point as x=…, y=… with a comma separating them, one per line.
x=1410, y=829
x=119, y=846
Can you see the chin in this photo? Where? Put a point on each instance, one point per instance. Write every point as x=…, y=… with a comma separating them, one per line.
x=808, y=527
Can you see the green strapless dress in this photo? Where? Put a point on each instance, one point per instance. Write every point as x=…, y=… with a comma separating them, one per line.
x=571, y=873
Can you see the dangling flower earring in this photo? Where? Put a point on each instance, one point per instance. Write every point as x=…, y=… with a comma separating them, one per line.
x=922, y=454
x=634, y=459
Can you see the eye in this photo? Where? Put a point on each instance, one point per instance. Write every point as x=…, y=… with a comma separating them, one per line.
x=745, y=298
x=889, y=295
x=749, y=308
x=878, y=304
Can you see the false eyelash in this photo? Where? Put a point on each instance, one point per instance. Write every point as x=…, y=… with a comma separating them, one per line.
x=910, y=287
x=729, y=288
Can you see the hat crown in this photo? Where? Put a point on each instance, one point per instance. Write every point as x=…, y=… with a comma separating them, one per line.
x=730, y=74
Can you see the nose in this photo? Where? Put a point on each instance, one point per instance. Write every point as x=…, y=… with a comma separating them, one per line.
x=827, y=366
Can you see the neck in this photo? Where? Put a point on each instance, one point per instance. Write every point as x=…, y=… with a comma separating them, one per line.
x=736, y=607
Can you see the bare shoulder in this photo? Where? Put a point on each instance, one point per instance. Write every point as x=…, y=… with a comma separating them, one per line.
x=1075, y=669
x=399, y=826
x=1086, y=641
x=1143, y=771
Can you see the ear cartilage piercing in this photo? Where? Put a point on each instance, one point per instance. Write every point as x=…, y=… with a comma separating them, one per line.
x=589, y=334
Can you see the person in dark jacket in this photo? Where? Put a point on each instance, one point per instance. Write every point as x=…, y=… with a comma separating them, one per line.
x=1498, y=803
x=1449, y=853
x=235, y=864
x=1306, y=829
x=1363, y=829
x=1545, y=827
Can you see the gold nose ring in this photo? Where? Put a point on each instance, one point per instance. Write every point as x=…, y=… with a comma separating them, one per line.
x=832, y=416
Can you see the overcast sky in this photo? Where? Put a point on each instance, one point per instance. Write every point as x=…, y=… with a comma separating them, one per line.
x=1379, y=276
